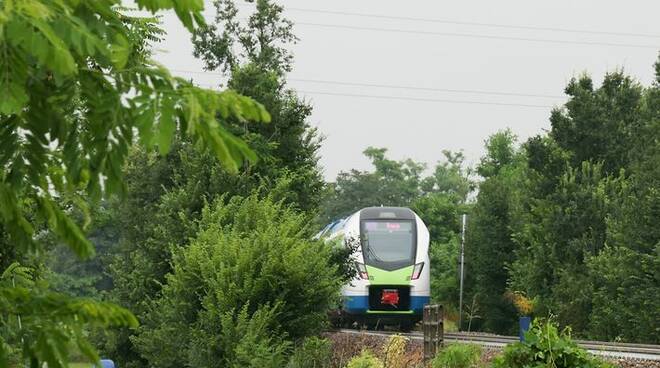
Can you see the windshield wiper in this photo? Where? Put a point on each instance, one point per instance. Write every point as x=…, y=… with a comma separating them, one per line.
x=373, y=254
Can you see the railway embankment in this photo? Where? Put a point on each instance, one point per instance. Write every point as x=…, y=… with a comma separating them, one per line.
x=347, y=344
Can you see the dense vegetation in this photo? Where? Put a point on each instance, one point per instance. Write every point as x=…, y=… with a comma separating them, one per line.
x=570, y=218
x=546, y=346
x=567, y=219
x=201, y=221
x=249, y=280
x=79, y=88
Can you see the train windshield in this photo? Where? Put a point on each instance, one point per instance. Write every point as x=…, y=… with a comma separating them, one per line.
x=388, y=244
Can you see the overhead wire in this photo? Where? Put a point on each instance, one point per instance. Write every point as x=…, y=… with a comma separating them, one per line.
x=404, y=98
x=425, y=99
x=450, y=34
x=393, y=86
x=471, y=35
x=493, y=25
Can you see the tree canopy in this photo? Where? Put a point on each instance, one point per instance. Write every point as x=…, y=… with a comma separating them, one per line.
x=78, y=90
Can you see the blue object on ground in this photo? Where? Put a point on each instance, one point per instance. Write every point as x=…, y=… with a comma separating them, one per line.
x=107, y=363
x=524, y=326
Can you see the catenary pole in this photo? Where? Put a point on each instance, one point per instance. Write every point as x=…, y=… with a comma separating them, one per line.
x=462, y=272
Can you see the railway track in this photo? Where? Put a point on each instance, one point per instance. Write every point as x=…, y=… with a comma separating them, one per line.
x=607, y=349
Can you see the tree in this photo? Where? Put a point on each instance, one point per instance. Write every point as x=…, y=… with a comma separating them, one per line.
x=252, y=259
x=625, y=273
x=490, y=247
x=396, y=183
x=256, y=56
x=588, y=220
x=166, y=194
x=76, y=92
x=603, y=124
x=622, y=281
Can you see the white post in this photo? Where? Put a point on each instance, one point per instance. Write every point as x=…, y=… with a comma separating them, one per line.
x=462, y=266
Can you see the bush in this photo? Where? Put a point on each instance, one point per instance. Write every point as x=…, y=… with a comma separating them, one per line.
x=545, y=346
x=458, y=356
x=395, y=352
x=251, y=276
x=312, y=353
x=365, y=360
x=623, y=279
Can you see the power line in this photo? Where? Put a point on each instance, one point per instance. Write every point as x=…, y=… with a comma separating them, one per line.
x=409, y=98
x=423, y=99
x=392, y=86
x=494, y=25
x=424, y=88
x=469, y=35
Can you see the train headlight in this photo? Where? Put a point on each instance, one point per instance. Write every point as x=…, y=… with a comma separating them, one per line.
x=362, y=271
x=417, y=271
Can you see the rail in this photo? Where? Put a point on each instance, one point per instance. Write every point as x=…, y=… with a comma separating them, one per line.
x=608, y=349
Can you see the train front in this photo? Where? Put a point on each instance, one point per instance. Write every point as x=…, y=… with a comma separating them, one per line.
x=393, y=282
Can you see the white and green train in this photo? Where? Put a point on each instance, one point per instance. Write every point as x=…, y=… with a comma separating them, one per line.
x=392, y=259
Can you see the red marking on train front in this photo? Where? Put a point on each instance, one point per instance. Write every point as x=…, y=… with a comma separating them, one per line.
x=390, y=297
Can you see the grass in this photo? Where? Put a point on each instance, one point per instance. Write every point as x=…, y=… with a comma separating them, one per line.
x=450, y=326
x=80, y=365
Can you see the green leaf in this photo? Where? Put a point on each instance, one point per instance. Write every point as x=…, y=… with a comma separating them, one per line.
x=63, y=226
x=14, y=98
x=166, y=125
x=120, y=50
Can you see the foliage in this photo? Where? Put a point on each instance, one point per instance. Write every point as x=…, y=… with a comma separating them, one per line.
x=78, y=89
x=341, y=255
x=215, y=44
x=66, y=273
x=545, y=346
x=623, y=280
x=166, y=194
x=393, y=183
x=458, y=356
x=601, y=124
x=365, y=360
x=252, y=256
x=394, y=352
x=256, y=54
x=444, y=273
x=314, y=352
x=397, y=183
x=489, y=246
x=523, y=304
x=43, y=322
x=561, y=231
x=571, y=216
x=57, y=53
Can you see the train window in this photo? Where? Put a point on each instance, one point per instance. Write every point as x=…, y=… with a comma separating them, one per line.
x=388, y=244
x=321, y=233
x=337, y=226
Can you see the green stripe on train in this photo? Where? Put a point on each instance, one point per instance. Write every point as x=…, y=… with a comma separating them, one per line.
x=396, y=277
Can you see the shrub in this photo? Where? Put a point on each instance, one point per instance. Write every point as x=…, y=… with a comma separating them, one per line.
x=545, y=346
x=395, y=352
x=312, y=353
x=365, y=360
x=458, y=356
x=250, y=276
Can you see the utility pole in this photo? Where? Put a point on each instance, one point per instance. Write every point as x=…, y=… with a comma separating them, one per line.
x=462, y=266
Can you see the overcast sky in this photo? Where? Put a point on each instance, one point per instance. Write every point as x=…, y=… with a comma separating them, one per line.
x=434, y=56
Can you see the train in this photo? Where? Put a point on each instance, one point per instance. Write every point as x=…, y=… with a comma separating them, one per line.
x=391, y=255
